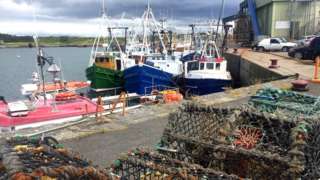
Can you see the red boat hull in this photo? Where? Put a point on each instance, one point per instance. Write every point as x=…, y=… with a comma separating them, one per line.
x=44, y=113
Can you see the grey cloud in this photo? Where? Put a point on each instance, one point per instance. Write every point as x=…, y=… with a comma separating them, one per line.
x=178, y=9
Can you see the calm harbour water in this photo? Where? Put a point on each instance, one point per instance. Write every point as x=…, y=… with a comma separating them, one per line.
x=17, y=65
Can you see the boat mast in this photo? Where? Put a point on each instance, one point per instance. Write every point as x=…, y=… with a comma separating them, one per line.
x=149, y=18
x=96, y=42
x=220, y=16
x=41, y=63
x=40, y=55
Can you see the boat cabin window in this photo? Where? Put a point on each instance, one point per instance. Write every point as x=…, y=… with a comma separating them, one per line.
x=210, y=66
x=218, y=65
x=118, y=64
x=193, y=66
x=101, y=59
x=201, y=66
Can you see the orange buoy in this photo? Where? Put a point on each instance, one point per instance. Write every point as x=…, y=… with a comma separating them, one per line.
x=172, y=97
x=65, y=96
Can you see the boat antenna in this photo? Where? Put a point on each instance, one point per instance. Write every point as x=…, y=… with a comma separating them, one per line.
x=104, y=14
x=220, y=16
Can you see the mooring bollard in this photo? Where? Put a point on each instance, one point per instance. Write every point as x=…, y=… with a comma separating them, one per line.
x=274, y=64
x=299, y=85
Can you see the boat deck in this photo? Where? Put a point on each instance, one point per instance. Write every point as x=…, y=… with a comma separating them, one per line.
x=43, y=113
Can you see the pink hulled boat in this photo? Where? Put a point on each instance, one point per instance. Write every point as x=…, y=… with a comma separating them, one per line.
x=26, y=114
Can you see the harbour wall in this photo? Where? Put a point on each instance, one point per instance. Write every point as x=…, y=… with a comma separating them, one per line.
x=246, y=73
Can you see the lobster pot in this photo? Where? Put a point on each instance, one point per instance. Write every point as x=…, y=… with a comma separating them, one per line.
x=44, y=158
x=143, y=163
x=243, y=141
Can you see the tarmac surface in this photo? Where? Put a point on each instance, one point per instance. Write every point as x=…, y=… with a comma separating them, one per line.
x=103, y=149
x=287, y=66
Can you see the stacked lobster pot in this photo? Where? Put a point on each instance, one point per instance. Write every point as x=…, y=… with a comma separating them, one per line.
x=244, y=142
x=43, y=158
x=146, y=164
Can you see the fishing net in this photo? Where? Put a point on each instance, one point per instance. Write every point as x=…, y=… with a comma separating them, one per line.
x=288, y=103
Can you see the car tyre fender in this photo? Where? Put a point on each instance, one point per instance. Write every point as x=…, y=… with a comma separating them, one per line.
x=298, y=55
x=261, y=49
x=285, y=49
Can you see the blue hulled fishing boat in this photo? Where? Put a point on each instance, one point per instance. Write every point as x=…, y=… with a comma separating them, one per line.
x=157, y=71
x=154, y=70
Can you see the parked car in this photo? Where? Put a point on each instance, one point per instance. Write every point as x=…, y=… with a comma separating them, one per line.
x=307, y=52
x=274, y=44
x=257, y=40
x=305, y=40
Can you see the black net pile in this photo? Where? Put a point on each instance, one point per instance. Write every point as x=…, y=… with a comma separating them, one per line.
x=287, y=103
x=245, y=142
x=146, y=164
x=43, y=158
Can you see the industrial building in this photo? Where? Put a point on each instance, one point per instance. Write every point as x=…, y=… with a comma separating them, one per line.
x=291, y=19
x=288, y=18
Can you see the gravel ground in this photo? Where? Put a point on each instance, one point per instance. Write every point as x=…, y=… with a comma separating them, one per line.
x=103, y=149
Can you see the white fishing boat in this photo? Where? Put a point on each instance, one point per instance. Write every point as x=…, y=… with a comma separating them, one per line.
x=207, y=73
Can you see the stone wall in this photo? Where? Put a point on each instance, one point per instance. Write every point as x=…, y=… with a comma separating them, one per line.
x=246, y=73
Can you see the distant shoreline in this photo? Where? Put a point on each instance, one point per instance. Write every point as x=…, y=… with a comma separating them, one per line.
x=44, y=46
x=13, y=41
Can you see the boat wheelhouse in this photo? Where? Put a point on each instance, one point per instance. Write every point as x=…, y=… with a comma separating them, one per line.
x=105, y=73
x=205, y=77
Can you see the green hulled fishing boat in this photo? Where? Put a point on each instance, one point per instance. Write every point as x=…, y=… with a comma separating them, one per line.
x=106, y=66
x=105, y=72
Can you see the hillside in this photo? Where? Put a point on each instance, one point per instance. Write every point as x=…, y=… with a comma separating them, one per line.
x=7, y=40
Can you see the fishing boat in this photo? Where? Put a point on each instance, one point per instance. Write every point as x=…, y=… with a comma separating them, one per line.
x=40, y=110
x=105, y=73
x=106, y=67
x=58, y=86
x=27, y=114
x=155, y=69
x=206, y=73
x=158, y=71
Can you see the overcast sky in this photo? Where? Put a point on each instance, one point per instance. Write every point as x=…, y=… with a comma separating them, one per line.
x=81, y=17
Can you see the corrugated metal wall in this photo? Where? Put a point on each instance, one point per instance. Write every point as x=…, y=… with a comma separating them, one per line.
x=276, y=16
